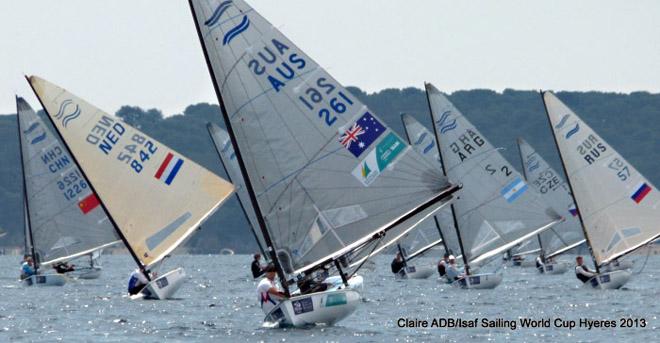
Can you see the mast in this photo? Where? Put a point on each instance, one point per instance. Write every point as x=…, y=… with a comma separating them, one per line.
x=442, y=237
x=240, y=203
x=239, y=158
x=444, y=171
x=91, y=187
x=570, y=185
x=28, y=221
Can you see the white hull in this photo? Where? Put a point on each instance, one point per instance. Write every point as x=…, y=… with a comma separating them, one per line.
x=554, y=268
x=609, y=280
x=479, y=281
x=326, y=308
x=335, y=282
x=619, y=265
x=413, y=272
x=163, y=287
x=87, y=273
x=44, y=280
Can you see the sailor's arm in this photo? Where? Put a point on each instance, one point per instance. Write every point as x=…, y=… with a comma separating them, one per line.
x=580, y=270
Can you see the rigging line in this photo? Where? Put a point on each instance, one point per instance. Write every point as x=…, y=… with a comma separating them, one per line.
x=648, y=254
x=380, y=240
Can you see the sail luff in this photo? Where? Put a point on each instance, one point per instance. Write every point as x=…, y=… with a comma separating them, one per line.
x=239, y=158
x=27, y=223
x=570, y=184
x=225, y=166
x=91, y=186
x=526, y=178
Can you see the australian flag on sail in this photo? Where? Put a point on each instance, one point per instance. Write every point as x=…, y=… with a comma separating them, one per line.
x=169, y=168
x=641, y=191
x=358, y=137
x=514, y=190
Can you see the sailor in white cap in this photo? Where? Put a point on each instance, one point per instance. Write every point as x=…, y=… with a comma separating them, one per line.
x=452, y=271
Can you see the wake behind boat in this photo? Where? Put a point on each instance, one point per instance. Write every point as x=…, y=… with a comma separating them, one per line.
x=154, y=197
x=327, y=179
x=616, y=205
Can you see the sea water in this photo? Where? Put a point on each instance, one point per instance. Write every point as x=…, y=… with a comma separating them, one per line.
x=219, y=303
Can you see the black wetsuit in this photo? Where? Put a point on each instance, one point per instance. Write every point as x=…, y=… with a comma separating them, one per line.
x=397, y=266
x=256, y=269
x=583, y=278
x=442, y=269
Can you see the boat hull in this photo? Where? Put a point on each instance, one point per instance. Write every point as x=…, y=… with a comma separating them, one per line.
x=325, y=308
x=87, y=273
x=44, y=280
x=163, y=287
x=414, y=272
x=554, y=268
x=619, y=265
x=479, y=281
x=609, y=280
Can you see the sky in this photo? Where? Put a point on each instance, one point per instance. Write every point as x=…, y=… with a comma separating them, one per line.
x=146, y=52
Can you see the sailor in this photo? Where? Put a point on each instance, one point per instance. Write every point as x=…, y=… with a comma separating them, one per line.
x=452, y=274
x=398, y=263
x=257, y=270
x=27, y=267
x=63, y=267
x=581, y=271
x=442, y=265
x=136, y=282
x=268, y=293
x=540, y=263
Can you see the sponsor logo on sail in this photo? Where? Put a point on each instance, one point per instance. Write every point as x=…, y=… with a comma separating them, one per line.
x=40, y=136
x=32, y=127
x=573, y=131
x=446, y=123
x=514, y=190
x=533, y=164
x=219, y=11
x=88, y=203
x=421, y=138
x=361, y=134
x=169, y=168
x=641, y=191
x=429, y=147
x=562, y=122
x=379, y=159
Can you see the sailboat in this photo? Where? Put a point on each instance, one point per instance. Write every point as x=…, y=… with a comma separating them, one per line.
x=493, y=212
x=154, y=197
x=62, y=218
x=225, y=150
x=419, y=242
x=546, y=181
x=616, y=205
x=325, y=176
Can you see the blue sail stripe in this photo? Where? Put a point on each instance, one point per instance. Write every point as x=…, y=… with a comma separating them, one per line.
x=429, y=147
x=31, y=128
x=229, y=36
x=562, y=122
x=63, y=106
x=452, y=125
x=420, y=139
x=573, y=131
x=39, y=138
x=443, y=118
x=218, y=13
x=70, y=117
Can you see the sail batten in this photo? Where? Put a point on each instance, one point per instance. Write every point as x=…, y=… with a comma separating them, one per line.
x=155, y=197
x=325, y=174
x=614, y=202
x=494, y=210
x=60, y=208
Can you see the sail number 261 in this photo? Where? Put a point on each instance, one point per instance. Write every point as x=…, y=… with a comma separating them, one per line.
x=326, y=100
x=137, y=152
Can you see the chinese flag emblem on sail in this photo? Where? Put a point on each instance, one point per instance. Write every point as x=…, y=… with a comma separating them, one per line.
x=89, y=203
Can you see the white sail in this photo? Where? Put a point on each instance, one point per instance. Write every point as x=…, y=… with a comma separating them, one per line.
x=494, y=209
x=327, y=173
x=547, y=182
x=65, y=220
x=617, y=205
x=155, y=196
x=423, y=141
x=225, y=150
